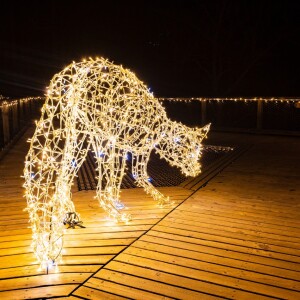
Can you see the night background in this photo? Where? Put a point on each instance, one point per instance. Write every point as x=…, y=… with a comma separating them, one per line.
x=178, y=48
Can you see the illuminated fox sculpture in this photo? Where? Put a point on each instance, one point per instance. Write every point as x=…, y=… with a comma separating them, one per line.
x=97, y=105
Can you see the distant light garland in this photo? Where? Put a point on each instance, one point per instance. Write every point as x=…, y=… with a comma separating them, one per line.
x=237, y=99
x=6, y=102
x=9, y=103
x=96, y=104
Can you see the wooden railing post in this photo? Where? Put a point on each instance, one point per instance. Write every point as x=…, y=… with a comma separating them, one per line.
x=1, y=130
x=203, y=112
x=26, y=111
x=5, y=120
x=22, y=114
x=259, y=116
x=15, y=118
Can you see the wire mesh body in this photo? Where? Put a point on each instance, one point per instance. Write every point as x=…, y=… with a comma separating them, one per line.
x=97, y=105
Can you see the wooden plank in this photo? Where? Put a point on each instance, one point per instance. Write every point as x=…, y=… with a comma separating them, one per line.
x=240, y=214
x=38, y=292
x=246, y=202
x=15, y=216
x=15, y=243
x=106, y=250
x=35, y=270
x=19, y=260
x=91, y=220
x=103, y=235
x=209, y=218
x=75, y=269
x=218, y=205
x=6, y=273
x=141, y=219
x=115, y=228
x=97, y=243
x=42, y=280
x=242, y=200
x=67, y=298
x=91, y=293
x=29, y=259
x=86, y=259
x=15, y=207
x=15, y=251
x=14, y=232
x=12, y=226
x=18, y=237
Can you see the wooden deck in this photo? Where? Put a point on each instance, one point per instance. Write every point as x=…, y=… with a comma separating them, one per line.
x=236, y=238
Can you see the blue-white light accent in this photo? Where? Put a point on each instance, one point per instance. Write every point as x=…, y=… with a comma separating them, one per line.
x=100, y=153
x=119, y=205
x=73, y=163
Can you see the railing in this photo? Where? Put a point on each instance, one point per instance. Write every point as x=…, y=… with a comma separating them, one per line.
x=260, y=115
x=276, y=115
x=15, y=115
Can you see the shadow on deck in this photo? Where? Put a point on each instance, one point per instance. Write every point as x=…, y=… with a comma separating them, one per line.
x=238, y=237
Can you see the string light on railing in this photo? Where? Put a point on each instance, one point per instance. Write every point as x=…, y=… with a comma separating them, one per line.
x=3, y=98
x=10, y=103
x=96, y=104
x=238, y=99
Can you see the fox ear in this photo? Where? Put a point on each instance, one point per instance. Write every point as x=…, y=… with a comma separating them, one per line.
x=202, y=132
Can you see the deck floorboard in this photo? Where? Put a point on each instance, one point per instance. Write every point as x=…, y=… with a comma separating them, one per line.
x=236, y=238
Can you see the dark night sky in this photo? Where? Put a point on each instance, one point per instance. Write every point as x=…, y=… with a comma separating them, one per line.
x=178, y=48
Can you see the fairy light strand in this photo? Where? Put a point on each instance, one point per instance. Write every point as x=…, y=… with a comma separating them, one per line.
x=95, y=104
x=6, y=102
x=237, y=99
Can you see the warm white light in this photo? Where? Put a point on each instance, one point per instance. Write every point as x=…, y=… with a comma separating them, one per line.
x=5, y=102
x=97, y=105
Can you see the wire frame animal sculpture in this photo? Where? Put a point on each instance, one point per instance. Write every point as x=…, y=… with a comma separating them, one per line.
x=98, y=105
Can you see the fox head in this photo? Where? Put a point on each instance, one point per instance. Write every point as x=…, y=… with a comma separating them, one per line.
x=181, y=147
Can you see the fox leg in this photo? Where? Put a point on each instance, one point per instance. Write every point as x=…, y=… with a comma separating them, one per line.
x=111, y=166
x=139, y=170
x=49, y=172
